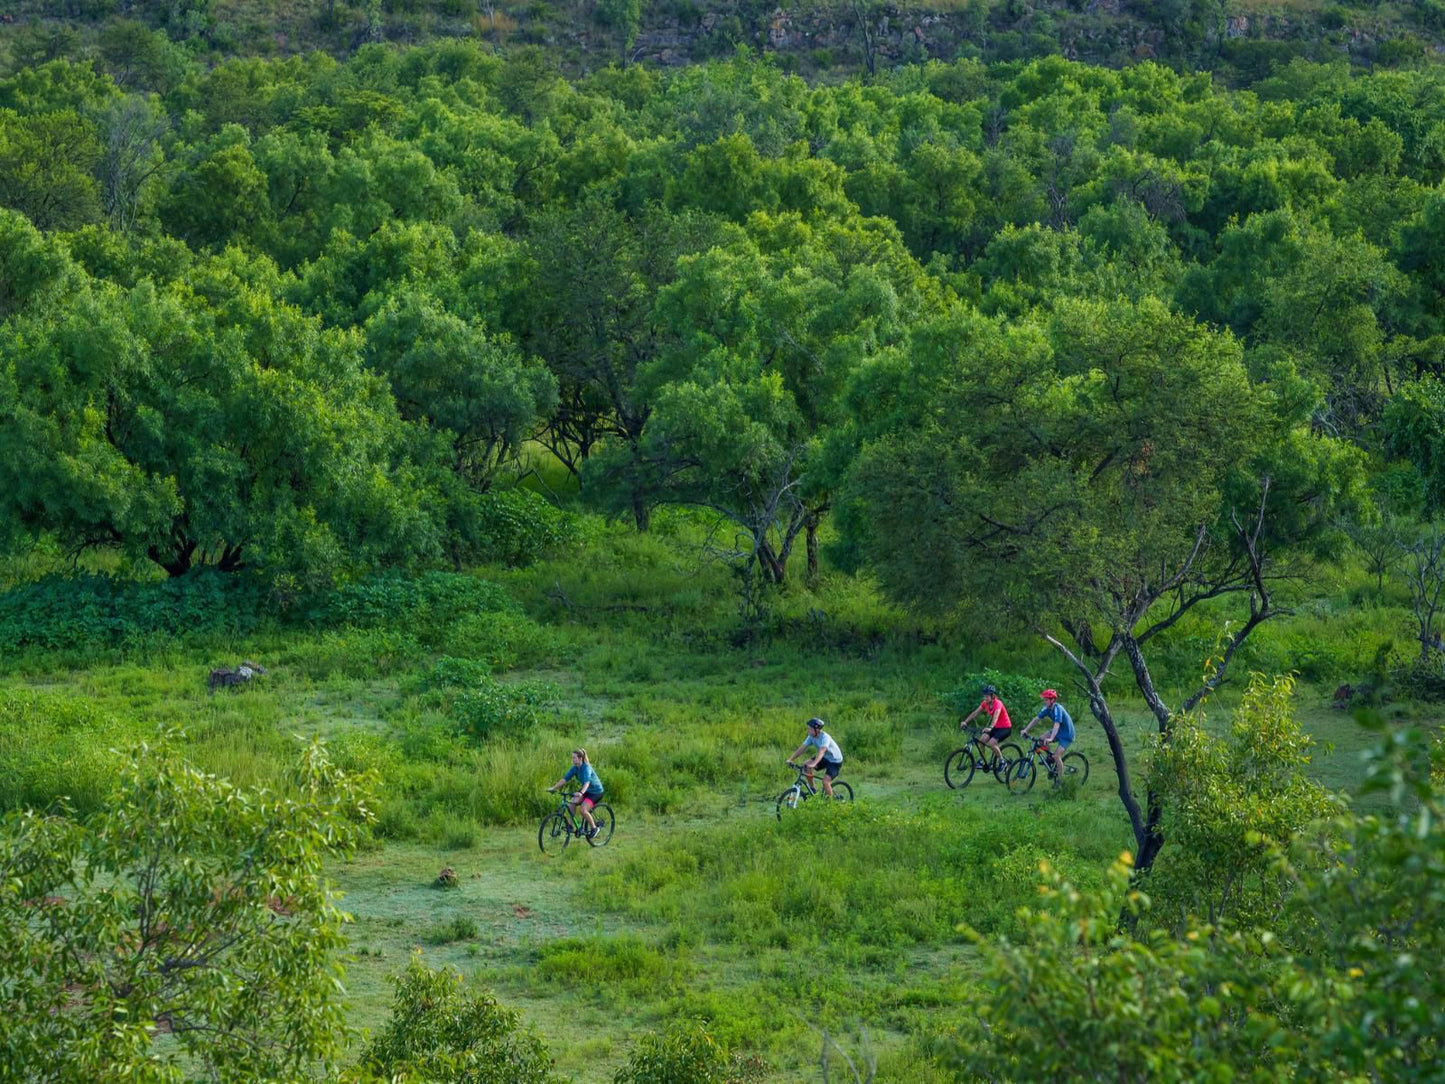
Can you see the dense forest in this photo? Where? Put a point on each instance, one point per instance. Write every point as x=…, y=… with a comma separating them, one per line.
x=502, y=394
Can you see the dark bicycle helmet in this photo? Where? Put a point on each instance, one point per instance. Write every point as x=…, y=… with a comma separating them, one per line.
x=816, y=723
x=989, y=690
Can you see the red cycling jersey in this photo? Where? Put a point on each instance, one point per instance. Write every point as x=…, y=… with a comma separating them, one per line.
x=1003, y=719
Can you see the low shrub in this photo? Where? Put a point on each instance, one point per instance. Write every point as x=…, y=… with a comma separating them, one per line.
x=63, y=612
x=504, y=641
x=623, y=963
x=432, y=600
x=686, y=1053
x=456, y=928
x=1019, y=693
x=490, y=707
x=518, y=527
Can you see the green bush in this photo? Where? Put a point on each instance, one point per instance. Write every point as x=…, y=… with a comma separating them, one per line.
x=355, y=653
x=429, y=601
x=440, y=1031
x=686, y=1053
x=1020, y=694
x=60, y=612
x=456, y=928
x=503, y=641
x=490, y=707
x=623, y=963
x=517, y=527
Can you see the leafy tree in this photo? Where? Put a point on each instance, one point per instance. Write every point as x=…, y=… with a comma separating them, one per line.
x=185, y=927
x=589, y=316
x=451, y=375
x=1109, y=470
x=1422, y=567
x=1076, y=999
x=440, y=1031
x=131, y=158
x=204, y=422
x=1373, y=886
x=625, y=17
x=1413, y=429
x=46, y=166
x=219, y=194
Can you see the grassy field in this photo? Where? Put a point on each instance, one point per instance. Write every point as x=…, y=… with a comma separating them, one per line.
x=704, y=904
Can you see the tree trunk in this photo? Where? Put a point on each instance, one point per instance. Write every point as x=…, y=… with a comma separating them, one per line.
x=641, y=513
x=775, y=569
x=812, y=546
x=177, y=562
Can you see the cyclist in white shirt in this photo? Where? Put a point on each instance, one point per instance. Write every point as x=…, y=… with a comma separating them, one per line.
x=829, y=755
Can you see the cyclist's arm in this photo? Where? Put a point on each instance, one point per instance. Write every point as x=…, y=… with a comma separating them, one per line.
x=557, y=784
x=993, y=715
x=969, y=717
x=798, y=751
x=1031, y=723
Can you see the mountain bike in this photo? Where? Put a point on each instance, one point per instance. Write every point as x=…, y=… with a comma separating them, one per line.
x=559, y=826
x=1025, y=769
x=959, y=765
x=802, y=790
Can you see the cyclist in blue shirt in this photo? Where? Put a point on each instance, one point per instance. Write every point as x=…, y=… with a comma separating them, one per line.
x=589, y=788
x=1063, y=728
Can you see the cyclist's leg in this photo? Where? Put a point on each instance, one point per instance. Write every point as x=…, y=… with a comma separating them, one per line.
x=1056, y=751
x=586, y=806
x=830, y=772
x=808, y=775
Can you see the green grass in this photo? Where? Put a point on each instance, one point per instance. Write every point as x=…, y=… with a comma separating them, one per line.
x=704, y=903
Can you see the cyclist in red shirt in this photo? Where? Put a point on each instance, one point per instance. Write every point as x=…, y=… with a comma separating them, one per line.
x=999, y=725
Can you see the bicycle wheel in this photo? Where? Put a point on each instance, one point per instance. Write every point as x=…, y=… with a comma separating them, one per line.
x=602, y=814
x=554, y=834
x=1021, y=776
x=789, y=799
x=1076, y=766
x=958, y=768
x=842, y=792
x=1009, y=755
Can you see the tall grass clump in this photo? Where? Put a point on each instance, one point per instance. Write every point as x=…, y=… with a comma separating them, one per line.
x=57, y=748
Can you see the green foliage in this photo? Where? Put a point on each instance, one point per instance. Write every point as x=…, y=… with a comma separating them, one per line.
x=516, y=526
x=1232, y=802
x=685, y=1053
x=503, y=641
x=439, y=1030
x=143, y=931
x=489, y=708
x=456, y=928
x=431, y=600
x=1414, y=430
x=625, y=964
x=1022, y=692
x=59, y=613
x=1162, y=1009
x=57, y=749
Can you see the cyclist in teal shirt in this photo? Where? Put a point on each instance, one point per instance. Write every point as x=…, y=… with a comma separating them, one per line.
x=589, y=788
x=1063, y=727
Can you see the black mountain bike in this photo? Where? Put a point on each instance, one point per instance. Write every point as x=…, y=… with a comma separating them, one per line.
x=1025, y=769
x=959, y=765
x=559, y=826
x=802, y=790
